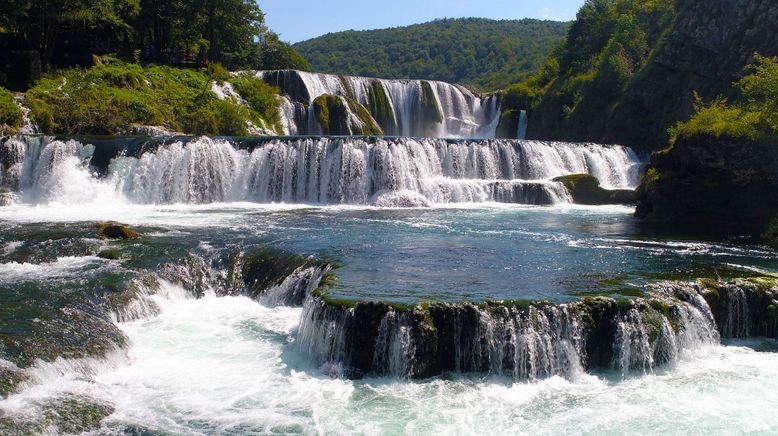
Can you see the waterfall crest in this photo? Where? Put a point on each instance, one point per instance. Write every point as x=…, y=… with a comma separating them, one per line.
x=391, y=172
x=416, y=108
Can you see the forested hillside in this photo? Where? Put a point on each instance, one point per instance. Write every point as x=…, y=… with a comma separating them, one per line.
x=631, y=69
x=486, y=54
x=38, y=36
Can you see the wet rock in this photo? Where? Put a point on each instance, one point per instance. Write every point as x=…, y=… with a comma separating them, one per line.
x=112, y=230
x=586, y=189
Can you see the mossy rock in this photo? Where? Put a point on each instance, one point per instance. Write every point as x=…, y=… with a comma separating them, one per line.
x=110, y=254
x=339, y=115
x=111, y=230
x=586, y=189
x=429, y=110
x=73, y=414
x=380, y=107
x=508, y=126
x=10, y=378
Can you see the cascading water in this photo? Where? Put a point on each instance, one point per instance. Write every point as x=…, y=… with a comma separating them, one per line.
x=461, y=113
x=386, y=172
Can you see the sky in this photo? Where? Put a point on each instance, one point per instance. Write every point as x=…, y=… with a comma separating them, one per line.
x=298, y=20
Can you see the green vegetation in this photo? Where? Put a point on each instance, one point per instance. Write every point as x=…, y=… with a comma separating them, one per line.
x=337, y=114
x=582, y=82
x=37, y=35
x=752, y=115
x=10, y=113
x=113, y=96
x=485, y=54
x=262, y=98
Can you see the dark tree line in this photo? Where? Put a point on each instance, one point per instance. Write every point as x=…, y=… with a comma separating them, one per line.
x=36, y=35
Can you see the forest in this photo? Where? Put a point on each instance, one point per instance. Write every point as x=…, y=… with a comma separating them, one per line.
x=37, y=36
x=484, y=54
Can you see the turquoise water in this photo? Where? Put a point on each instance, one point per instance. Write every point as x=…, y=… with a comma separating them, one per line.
x=409, y=255
x=194, y=358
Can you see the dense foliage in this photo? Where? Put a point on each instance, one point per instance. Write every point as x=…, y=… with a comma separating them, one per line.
x=753, y=114
x=112, y=97
x=583, y=80
x=630, y=69
x=10, y=114
x=36, y=34
x=483, y=53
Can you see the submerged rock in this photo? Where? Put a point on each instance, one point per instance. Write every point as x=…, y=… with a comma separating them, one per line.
x=71, y=414
x=586, y=189
x=112, y=230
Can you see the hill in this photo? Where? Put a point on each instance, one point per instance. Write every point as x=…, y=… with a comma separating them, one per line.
x=631, y=69
x=485, y=54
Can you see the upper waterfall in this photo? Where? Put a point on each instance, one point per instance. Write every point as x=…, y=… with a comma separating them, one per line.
x=381, y=171
x=417, y=108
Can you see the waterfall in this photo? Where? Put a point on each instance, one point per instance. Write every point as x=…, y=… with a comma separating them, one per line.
x=398, y=106
x=522, y=342
x=522, y=129
x=391, y=172
x=662, y=332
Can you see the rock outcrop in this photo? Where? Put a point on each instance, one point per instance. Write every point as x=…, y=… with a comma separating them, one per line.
x=724, y=184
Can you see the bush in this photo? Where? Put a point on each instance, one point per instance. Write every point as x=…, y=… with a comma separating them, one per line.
x=112, y=96
x=755, y=116
x=261, y=97
x=10, y=113
x=720, y=119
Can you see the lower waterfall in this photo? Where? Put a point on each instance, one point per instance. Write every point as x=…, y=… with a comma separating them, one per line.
x=387, y=172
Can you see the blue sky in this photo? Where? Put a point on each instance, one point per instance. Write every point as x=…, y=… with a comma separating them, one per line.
x=298, y=20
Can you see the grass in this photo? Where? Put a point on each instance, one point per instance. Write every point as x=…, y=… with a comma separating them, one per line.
x=10, y=113
x=112, y=96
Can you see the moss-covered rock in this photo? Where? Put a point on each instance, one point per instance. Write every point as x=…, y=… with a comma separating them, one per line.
x=380, y=107
x=10, y=378
x=586, y=189
x=10, y=113
x=704, y=182
x=430, y=113
x=343, y=116
x=508, y=126
x=111, y=230
x=70, y=414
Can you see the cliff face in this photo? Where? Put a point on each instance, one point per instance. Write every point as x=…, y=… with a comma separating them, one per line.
x=702, y=50
x=726, y=184
x=705, y=51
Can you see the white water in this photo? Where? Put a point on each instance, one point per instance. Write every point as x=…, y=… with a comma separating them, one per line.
x=413, y=172
x=465, y=115
x=220, y=365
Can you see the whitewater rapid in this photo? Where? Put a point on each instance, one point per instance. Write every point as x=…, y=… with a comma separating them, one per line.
x=222, y=365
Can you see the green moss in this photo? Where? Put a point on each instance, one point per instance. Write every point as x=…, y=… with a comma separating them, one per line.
x=763, y=284
x=509, y=124
x=10, y=378
x=430, y=107
x=261, y=98
x=75, y=414
x=332, y=113
x=110, y=254
x=586, y=189
x=113, y=230
x=379, y=105
x=10, y=113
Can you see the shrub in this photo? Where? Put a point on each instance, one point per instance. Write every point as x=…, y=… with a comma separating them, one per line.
x=10, y=113
x=261, y=97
